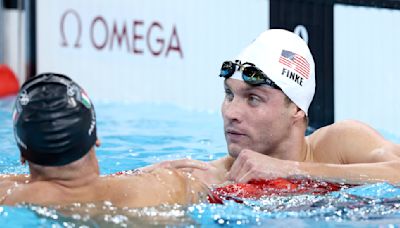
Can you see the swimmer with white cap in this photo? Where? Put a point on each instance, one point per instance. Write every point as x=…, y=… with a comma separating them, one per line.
x=268, y=89
x=55, y=129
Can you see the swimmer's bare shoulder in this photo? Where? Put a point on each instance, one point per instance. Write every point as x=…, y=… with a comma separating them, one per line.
x=5, y=185
x=8, y=182
x=14, y=177
x=22, y=192
x=350, y=141
x=161, y=186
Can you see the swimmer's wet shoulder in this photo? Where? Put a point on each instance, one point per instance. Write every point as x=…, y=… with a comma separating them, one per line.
x=350, y=141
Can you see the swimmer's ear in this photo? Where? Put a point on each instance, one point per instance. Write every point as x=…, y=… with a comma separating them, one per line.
x=299, y=114
x=22, y=160
x=98, y=142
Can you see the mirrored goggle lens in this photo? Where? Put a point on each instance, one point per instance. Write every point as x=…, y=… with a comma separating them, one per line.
x=253, y=76
x=227, y=69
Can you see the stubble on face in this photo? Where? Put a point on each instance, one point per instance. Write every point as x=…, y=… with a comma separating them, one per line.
x=258, y=128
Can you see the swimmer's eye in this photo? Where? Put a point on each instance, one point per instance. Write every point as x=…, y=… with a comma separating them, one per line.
x=254, y=100
x=228, y=94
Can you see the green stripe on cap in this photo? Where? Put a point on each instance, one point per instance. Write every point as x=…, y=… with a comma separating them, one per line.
x=86, y=100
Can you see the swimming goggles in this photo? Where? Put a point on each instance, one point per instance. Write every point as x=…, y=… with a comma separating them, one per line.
x=250, y=73
x=73, y=90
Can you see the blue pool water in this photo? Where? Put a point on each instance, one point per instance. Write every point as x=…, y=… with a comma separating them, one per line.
x=134, y=135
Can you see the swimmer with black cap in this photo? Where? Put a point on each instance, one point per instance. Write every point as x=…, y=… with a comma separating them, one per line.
x=55, y=130
x=63, y=133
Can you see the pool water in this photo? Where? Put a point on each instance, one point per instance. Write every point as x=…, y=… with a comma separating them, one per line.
x=135, y=135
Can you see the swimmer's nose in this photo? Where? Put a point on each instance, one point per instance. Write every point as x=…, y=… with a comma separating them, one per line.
x=232, y=110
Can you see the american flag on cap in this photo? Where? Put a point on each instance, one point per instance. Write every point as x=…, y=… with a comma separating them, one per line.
x=295, y=62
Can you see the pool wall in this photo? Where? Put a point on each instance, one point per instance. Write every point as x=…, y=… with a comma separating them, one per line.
x=366, y=61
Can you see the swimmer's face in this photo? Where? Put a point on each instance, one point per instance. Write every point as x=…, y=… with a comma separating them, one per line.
x=255, y=117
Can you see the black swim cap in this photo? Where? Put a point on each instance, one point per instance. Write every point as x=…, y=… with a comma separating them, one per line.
x=54, y=120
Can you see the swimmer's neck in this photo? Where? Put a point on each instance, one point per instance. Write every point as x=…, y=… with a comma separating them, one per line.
x=293, y=150
x=78, y=173
x=85, y=179
x=295, y=147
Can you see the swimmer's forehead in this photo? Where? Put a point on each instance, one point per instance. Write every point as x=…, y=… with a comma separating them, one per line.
x=241, y=86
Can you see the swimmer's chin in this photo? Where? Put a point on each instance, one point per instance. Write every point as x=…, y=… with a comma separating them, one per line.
x=234, y=150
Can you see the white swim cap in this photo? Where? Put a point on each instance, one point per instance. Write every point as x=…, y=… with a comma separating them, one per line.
x=286, y=59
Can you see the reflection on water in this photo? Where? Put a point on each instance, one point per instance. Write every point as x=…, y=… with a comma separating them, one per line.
x=98, y=215
x=353, y=206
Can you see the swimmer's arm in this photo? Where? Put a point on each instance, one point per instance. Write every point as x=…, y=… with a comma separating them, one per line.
x=253, y=165
x=176, y=164
x=209, y=173
x=163, y=186
x=353, y=173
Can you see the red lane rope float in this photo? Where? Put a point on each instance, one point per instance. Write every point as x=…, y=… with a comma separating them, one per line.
x=8, y=82
x=255, y=189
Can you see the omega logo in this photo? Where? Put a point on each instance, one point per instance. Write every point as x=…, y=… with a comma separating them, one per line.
x=137, y=37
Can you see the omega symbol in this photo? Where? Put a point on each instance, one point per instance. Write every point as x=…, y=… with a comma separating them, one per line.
x=78, y=28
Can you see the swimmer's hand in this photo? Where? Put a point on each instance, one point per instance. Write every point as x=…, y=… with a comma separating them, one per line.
x=251, y=165
x=186, y=164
